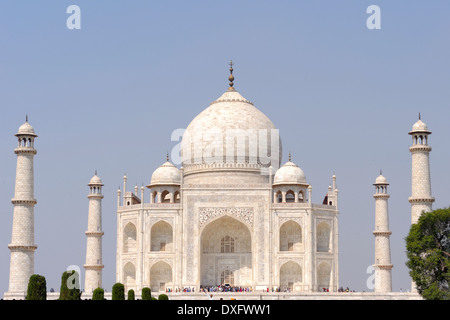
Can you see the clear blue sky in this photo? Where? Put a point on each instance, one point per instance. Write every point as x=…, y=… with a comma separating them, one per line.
x=107, y=98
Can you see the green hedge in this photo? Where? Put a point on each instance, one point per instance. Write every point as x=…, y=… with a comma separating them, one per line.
x=163, y=297
x=37, y=288
x=99, y=294
x=131, y=294
x=146, y=294
x=118, y=291
x=73, y=293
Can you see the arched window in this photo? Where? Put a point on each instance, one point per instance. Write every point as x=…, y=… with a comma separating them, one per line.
x=290, y=196
x=227, y=277
x=278, y=197
x=165, y=196
x=154, y=197
x=227, y=245
x=129, y=238
x=129, y=275
x=176, y=197
x=301, y=197
x=161, y=236
x=323, y=237
x=291, y=237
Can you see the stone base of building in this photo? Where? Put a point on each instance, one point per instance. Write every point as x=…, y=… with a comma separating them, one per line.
x=262, y=296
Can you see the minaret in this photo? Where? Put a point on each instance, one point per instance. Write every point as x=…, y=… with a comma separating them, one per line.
x=421, y=199
x=22, y=243
x=94, y=233
x=382, y=266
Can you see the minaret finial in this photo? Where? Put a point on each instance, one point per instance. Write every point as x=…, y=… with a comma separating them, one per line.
x=419, y=116
x=381, y=172
x=289, y=156
x=26, y=118
x=95, y=171
x=231, y=77
x=167, y=156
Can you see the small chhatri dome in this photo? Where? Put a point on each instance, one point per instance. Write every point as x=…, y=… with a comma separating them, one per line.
x=419, y=126
x=95, y=180
x=26, y=129
x=381, y=180
x=166, y=174
x=289, y=173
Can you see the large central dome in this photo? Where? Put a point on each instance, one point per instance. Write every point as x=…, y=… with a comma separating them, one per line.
x=231, y=134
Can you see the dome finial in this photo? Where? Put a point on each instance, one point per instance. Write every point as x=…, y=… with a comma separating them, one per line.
x=289, y=156
x=419, y=116
x=26, y=118
x=231, y=77
x=167, y=156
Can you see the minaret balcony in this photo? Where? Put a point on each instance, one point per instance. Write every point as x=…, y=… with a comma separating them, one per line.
x=94, y=233
x=24, y=201
x=22, y=247
x=420, y=147
x=25, y=150
x=382, y=233
x=421, y=199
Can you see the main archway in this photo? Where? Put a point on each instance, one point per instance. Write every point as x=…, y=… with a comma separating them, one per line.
x=226, y=256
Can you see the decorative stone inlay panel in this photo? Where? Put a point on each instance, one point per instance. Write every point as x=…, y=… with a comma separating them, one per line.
x=243, y=214
x=152, y=261
x=299, y=220
x=154, y=220
x=282, y=261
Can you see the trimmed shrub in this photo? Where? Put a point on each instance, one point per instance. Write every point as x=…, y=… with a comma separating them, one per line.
x=37, y=288
x=131, y=294
x=146, y=294
x=70, y=279
x=163, y=297
x=98, y=294
x=118, y=291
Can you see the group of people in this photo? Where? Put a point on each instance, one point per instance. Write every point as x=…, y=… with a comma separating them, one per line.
x=224, y=288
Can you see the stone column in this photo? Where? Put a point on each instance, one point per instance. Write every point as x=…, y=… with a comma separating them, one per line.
x=22, y=244
x=93, y=267
x=382, y=266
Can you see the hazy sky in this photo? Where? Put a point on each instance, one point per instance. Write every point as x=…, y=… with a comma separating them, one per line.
x=108, y=96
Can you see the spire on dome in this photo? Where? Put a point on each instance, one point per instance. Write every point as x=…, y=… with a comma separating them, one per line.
x=167, y=156
x=231, y=77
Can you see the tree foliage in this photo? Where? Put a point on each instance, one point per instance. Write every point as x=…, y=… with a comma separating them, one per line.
x=98, y=294
x=146, y=294
x=37, y=288
x=70, y=288
x=428, y=251
x=131, y=294
x=163, y=296
x=118, y=291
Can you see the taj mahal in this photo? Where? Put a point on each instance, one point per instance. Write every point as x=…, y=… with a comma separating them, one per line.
x=232, y=214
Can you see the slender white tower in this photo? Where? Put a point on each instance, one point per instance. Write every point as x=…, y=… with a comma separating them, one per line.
x=382, y=266
x=421, y=199
x=22, y=245
x=94, y=233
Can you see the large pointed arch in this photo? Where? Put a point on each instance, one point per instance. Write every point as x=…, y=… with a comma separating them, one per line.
x=226, y=252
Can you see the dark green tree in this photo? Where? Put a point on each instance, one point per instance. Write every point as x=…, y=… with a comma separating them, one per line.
x=70, y=286
x=146, y=294
x=118, y=291
x=37, y=288
x=98, y=294
x=163, y=297
x=428, y=251
x=131, y=294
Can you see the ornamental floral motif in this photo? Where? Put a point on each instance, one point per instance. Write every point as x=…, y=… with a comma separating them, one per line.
x=243, y=214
